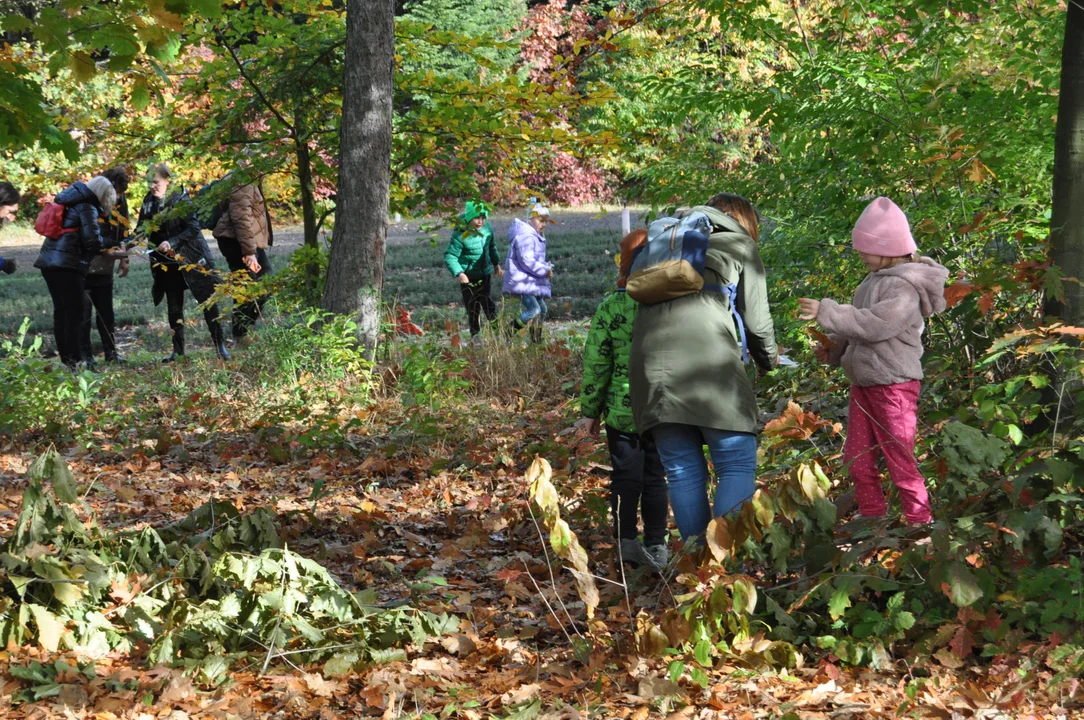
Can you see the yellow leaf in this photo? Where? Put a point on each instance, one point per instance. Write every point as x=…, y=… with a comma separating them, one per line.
x=165, y=18
x=977, y=172
x=83, y=68
x=720, y=539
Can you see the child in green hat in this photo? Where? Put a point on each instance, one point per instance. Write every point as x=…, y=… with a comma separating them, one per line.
x=471, y=258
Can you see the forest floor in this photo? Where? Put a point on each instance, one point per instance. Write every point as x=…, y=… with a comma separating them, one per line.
x=431, y=509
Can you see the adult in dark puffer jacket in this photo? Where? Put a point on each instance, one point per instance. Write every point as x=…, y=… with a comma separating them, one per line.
x=181, y=259
x=64, y=260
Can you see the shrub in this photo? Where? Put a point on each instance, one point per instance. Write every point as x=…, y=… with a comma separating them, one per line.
x=41, y=396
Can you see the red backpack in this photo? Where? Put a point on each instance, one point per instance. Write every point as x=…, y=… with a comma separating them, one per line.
x=50, y=222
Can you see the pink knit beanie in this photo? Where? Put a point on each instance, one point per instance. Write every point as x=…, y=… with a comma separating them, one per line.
x=882, y=229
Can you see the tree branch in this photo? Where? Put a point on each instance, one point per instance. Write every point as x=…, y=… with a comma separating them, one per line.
x=255, y=88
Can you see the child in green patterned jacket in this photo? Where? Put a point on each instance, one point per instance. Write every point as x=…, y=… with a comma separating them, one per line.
x=637, y=481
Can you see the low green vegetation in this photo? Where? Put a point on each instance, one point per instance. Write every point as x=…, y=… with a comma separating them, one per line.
x=216, y=590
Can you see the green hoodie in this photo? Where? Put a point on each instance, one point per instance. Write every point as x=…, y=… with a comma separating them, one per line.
x=606, y=363
x=472, y=252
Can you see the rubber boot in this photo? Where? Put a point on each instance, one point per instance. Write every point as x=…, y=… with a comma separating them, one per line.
x=178, y=346
x=218, y=338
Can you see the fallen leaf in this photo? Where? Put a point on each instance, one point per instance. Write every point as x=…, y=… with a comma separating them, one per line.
x=322, y=687
x=177, y=688
x=521, y=694
x=652, y=687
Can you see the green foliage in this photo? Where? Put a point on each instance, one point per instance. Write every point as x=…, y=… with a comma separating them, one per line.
x=39, y=396
x=204, y=593
x=491, y=19
x=84, y=38
x=430, y=376
x=969, y=452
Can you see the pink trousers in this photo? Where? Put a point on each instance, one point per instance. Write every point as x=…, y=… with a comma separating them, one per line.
x=882, y=421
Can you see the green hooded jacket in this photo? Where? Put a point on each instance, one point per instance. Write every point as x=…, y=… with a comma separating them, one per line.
x=605, y=390
x=685, y=362
x=472, y=252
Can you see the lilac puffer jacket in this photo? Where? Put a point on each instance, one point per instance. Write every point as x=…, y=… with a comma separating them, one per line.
x=526, y=267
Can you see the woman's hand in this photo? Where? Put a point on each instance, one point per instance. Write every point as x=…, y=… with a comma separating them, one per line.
x=165, y=248
x=463, y=279
x=500, y=271
x=820, y=351
x=122, y=270
x=808, y=309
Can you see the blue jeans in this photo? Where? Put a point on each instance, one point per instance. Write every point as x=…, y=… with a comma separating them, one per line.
x=533, y=307
x=734, y=455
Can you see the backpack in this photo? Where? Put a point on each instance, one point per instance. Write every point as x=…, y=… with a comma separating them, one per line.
x=50, y=222
x=671, y=263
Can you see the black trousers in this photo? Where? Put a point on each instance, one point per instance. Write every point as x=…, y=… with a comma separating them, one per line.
x=476, y=298
x=66, y=289
x=99, y=301
x=175, y=287
x=637, y=486
x=245, y=314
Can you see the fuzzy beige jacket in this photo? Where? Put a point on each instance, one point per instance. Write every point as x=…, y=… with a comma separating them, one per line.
x=878, y=339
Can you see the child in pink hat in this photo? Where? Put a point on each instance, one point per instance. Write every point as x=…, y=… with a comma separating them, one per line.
x=878, y=341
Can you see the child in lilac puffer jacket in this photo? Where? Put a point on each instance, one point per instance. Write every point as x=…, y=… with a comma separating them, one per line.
x=527, y=274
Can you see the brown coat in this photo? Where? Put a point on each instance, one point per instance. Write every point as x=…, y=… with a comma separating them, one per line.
x=878, y=339
x=246, y=220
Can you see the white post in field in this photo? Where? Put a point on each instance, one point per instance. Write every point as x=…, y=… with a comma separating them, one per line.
x=626, y=226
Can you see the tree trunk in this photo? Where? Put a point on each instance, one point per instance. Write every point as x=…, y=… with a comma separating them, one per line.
x=308, y=219
x=308, y=200
x=1067, y=221
x=355, y=274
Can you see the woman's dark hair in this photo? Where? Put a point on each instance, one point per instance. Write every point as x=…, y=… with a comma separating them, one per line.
x=740, y=209
x=119, y=177
x=8, y=194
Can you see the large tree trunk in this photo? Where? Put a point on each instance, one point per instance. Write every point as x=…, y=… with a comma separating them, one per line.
x=355, y=275
x=1067, y=221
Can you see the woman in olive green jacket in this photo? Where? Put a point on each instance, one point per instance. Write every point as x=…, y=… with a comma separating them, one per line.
x=687, y=379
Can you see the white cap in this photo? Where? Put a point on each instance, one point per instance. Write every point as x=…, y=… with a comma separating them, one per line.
x=537, y=209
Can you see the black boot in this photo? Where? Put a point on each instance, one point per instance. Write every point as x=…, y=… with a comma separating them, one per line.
x=517, y=325
x=219, y=339
x=536, y=333
x=178, y=346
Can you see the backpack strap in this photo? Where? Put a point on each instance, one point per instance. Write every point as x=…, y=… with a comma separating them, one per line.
x=729, y=224
x=731, y=293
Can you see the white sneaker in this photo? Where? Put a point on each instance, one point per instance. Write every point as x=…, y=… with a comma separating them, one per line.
x=659, y=554
x=633, y=552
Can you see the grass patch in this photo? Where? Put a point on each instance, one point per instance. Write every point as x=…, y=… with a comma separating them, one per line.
x=584, y=271
x=415, y=278
x=18, y=234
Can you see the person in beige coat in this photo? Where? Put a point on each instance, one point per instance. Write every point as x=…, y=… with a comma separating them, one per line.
x=244, y=233
x=878, y=341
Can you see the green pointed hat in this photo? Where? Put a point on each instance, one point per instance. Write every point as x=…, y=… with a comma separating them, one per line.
x=475, y=208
